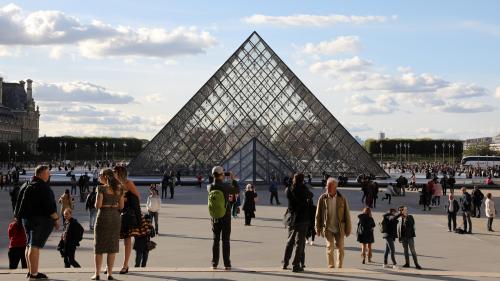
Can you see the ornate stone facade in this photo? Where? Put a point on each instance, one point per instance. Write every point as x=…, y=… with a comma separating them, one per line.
x=19, y=119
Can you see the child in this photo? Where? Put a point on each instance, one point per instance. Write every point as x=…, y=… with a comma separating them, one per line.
x=71, y=237
x=17, y=245
x=141, y=244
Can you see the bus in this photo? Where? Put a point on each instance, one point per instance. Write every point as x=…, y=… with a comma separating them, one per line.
x=481, y=161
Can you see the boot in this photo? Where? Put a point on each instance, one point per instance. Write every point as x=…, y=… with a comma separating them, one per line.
x=363, y=255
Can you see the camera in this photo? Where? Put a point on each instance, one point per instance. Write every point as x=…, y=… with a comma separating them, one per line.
x=227, y=174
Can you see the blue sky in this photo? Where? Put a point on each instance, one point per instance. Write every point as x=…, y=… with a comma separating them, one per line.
x=124, y=68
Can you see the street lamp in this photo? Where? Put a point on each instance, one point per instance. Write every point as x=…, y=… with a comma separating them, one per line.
x=24, y=154
x=435, y=152
x=103, y=151
x=381, y=163
x=106, y=151
x=76, y=152
x=95, y=143
x=443, y=151
x=400, y=153
x=449, y=150
x=408, y=153
x=60, y=158
x=124, y=146
x=113, y=153
x=406, y=149
x=9, y=154
x=65, y=144
x=453, y=146
x=15, y=157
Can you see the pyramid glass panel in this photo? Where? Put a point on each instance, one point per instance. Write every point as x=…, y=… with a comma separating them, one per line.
x=255, y=100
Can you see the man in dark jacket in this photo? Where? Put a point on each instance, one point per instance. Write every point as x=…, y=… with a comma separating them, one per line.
x=273, y=189
x=71, y=238
x=406, y=234
x=466, y=206
x=36, y=206
x=90, y=207
x=297, y=221
x=164, y=184
x=452, y=209
x=477, y=201
x=389, y=233
x=222, y=225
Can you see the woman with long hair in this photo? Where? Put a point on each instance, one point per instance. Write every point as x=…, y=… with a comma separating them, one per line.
x=365, y=233
x=133, y=211
x=249, y=203
x=67, y=202
x=108, y=222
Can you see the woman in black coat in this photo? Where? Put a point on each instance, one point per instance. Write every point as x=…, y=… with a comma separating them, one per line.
x=365, y=233
x=249, y=204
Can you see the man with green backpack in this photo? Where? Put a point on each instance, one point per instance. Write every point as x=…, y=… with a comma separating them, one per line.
x=220, y=213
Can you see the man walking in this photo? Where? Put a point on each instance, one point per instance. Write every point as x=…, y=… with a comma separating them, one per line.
x=333, y=221
x=164, y=185
x=273, y=189
x=37, y=209
x=452, y=209
x=90, y=207
x=477, y=201
x=406, y=234
x=466, y=205
x=221, y=225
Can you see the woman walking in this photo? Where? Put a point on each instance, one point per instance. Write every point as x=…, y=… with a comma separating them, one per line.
x=154, y=205
x=108, y=222
x=131, y=214
x=490, y=211
x=249, y=203
x=365, y=233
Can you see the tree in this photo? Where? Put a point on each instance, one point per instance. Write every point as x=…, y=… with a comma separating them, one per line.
x=480, y=149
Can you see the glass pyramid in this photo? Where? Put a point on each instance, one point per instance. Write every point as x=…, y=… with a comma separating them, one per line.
x=254, y=95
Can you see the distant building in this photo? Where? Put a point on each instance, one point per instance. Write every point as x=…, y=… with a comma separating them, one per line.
x=476, y=141
x=19, y=119
x=495, y=144
x=381, y=136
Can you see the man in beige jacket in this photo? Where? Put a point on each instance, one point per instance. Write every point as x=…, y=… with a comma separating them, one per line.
x=333, y=221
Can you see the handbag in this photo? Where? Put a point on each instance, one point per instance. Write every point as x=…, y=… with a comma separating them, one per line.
x=151, y=245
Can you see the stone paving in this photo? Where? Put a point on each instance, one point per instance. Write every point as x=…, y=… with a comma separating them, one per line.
x=184, y=245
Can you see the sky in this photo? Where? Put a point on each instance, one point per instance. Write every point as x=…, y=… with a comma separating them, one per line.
x=419, y=69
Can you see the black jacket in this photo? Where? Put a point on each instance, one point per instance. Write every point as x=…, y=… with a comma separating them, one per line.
x=392, y=226
x=299, y=199
x=365, y=229
x=36, y=199
x=90, y=202
x=249, y=204
x=456, y=207
x=406, y=228
x=71, y=232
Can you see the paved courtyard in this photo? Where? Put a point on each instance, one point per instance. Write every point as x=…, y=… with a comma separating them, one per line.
x=184, y=245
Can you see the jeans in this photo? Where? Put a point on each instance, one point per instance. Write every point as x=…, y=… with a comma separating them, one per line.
x=452, y=217
x=467, y=220
x=69, y=257
x=274, y=194
x=92, y=218
x=409, y=243
x=297, y=238
x=490, y=224
x=163, y=191
x=389, y=248
x=141, y=258
x=73, y=188
x=154, y=216
x=221, y=226
x=16, y=255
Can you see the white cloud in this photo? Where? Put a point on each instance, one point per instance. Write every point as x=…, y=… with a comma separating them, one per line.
x=97, y=39
x=465, y=107
x=461, y=90
x=340, y=67
x=340, y=44
x=154, y=98
x=364, y=105
x=78, y=91
x=497, y=93
x=312, y=20
x=358, y=127
x=9, y=51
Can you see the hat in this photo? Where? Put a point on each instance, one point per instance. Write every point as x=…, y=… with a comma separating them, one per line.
x=217, y=170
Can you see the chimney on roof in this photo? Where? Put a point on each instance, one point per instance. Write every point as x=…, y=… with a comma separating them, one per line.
x=29, y=90
x=1, y=90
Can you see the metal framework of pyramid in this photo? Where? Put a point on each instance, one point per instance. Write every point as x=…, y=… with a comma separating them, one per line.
x=254, y=162
x=254, y=95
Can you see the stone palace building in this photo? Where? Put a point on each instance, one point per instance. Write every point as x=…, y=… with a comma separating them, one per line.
x=19, y=118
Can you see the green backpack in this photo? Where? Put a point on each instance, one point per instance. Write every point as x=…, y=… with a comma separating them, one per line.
x=217, y=204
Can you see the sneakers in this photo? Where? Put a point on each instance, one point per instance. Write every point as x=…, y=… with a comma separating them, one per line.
x=39, y=276
x=406, y=265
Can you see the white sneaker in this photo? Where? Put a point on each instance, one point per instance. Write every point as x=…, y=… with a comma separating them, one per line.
x=395, y=267
x=311, y=243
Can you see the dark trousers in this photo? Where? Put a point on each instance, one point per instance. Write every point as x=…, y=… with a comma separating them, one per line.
x=221, y=226
x=387, y=196
x=409, y=243
x=490, y=224
x=15, y=255
x=69, y=257
x=274, y=194
x=389, y=248
x=73, y=188
x=172, y=191
x=477, y=209
x=297, y=238
x=248, y=217
x=163, y=192
x=141, y=258
x=452, y=218
x=154, y=216
x=467, y=220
